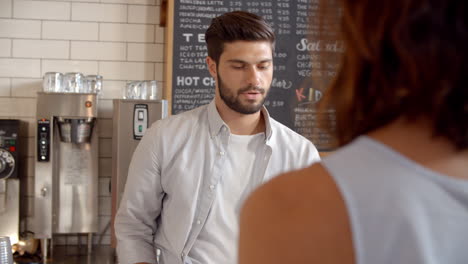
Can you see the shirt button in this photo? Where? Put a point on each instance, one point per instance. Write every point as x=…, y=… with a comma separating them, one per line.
x=212, y=187
x=221, y=153
x=198, y=222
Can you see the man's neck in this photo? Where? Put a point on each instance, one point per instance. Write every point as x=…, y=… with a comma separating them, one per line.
x=241, y=124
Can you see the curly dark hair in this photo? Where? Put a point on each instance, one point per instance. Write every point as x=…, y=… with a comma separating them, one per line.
x=403, y=58
x=233, y=26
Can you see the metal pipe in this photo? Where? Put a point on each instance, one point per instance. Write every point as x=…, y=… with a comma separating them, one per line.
x=44, y=250
x=90, y=243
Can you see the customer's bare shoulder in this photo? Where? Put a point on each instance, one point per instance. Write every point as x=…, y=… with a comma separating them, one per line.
x=298, y=217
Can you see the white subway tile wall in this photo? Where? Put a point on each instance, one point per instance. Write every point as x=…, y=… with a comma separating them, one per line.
x=20, y=28
x=135, y=2
x=159, y=34
x=127, y=70
x=41, y=10
x=5, y=85
x=83, y=66
x=86, y=1
x=45, y=49
x=143, y=15
x=105, y=109
x=114, y=89
x=28, y=127
x=5, y=47
x=104, y=186
x=17, y=107
x=5, y=8
x=20, y=68
x=105, y=147
x=93, y=50
x=27, y=87
x=105, y=205
x=105, y=167
x=158, y=72
x=145, y=52
x=118, y=39
x=105, y=128
x=99, y=12
x=126, y=32
x=70, y=30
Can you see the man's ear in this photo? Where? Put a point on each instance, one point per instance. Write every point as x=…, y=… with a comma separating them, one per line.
x=211, y=67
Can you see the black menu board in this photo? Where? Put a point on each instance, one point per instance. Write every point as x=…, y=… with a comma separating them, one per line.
x=293, y=94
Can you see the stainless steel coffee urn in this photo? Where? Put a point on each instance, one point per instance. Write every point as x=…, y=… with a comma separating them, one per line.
x=66, y=178
x=130, y=120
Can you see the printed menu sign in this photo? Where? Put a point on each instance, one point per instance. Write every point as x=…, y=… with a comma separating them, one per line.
x=300, y=73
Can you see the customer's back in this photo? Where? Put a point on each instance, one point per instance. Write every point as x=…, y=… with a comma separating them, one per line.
x=400, y=211
x=397, y=192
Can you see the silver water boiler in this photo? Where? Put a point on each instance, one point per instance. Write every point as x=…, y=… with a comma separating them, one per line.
x=66, y=166
x=9, y=179
x=131, y=119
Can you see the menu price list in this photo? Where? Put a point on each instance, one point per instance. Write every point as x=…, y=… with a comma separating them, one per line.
x=305, y=58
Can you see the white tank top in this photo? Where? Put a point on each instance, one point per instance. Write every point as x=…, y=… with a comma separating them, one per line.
x=400, y=212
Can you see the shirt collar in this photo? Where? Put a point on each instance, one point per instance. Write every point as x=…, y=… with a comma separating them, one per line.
x=216, y=123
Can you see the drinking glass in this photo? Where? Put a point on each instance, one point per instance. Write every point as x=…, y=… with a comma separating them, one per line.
x=6, y=254
x=155, y=92
x=52, y=82
x=132, y=90
x=93, y=84
x=72, y=82
x=144, y=90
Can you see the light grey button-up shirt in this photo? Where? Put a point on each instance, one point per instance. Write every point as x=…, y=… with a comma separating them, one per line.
x=180, y=159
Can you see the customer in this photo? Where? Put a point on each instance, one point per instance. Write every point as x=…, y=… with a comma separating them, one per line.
x=191, y=172
x=397, y=191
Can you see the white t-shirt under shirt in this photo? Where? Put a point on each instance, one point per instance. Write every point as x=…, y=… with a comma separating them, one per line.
x=217, y=241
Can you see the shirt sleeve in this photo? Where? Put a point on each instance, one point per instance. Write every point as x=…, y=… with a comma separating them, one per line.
x=313, y=155
x=135, y=223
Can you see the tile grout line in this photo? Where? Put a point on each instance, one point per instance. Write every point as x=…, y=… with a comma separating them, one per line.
x=11, y=53
x=70, y=12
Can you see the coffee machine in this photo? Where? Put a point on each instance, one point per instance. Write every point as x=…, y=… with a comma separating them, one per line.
x=9, y=180
x=66, y=166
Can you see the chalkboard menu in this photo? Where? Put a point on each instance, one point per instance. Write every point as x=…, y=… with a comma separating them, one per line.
x=300, y=74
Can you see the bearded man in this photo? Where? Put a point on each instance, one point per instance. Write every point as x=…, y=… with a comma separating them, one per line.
x=191, y=172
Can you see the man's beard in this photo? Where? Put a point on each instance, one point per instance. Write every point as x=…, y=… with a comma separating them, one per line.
x=233, y=101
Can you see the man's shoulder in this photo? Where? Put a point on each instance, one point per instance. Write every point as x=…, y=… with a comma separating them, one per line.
x=179, y=125
x=282, y=132
x=187, y=118
x=292, y=143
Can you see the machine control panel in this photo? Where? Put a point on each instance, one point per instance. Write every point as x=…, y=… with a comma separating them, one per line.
x=8, y=148
x=140, y=120
x=43, y=140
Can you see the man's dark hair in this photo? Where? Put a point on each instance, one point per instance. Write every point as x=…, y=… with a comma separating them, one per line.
x=234, y=26
x=403, y=59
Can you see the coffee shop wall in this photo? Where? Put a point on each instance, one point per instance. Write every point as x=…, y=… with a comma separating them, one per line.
x=118, y=39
